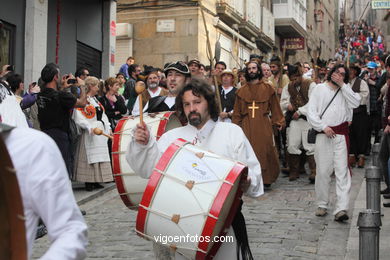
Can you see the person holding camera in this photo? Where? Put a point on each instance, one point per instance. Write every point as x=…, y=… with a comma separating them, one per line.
x=55, y=107
x=329, y=113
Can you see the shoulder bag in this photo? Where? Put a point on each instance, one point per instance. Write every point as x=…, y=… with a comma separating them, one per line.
x=312, y=134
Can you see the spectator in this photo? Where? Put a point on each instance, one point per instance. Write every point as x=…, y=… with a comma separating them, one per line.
x=121, y=77
x=92, y=164
x=54, y=108
x=113, y=103
x=124, y=68
x=129, y=93
x=10, y=111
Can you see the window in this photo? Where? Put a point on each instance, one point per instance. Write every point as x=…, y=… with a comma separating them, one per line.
x=226, y=50
x=7, y=43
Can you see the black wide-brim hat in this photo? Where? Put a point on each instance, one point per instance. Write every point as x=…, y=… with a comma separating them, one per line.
x=179, y=66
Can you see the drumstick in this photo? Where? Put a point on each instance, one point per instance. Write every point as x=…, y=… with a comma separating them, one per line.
x=139, y=88
x=98, y=131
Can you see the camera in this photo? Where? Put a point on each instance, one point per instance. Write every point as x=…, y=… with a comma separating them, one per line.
x=71, y=81
x=11, y=68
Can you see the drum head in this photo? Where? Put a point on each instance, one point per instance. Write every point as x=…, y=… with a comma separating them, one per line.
x=130, y=186
x=192, y=192
x=12, y=230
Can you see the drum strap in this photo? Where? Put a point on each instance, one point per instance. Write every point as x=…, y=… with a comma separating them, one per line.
x=241, y=234
x=155, y=102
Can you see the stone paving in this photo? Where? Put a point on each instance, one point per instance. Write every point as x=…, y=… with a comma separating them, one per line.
x=281, y=225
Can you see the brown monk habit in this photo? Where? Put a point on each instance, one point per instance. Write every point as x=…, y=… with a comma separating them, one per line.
x=252, y=112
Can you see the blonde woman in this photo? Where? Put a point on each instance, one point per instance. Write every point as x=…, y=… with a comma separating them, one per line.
x=92, y=163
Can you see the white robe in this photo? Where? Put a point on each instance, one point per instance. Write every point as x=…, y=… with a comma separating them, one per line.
x=331, y=153
x=47, y=194
x=224, y=139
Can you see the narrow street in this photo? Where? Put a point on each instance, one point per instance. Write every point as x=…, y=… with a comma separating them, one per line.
x=281, y=225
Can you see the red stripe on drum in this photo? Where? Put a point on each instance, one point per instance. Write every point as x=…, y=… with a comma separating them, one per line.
x=153, y=182
x=116, y=144
x=216, y=208
x=163, y=124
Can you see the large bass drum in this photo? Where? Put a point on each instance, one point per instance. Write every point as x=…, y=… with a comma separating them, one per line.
x=130, y=186
x=13, y=244
x=191, y=198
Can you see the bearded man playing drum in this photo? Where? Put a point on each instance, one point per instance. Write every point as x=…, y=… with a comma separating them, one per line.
x=196, y=104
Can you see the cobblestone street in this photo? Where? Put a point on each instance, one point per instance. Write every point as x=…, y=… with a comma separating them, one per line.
x=281, y=225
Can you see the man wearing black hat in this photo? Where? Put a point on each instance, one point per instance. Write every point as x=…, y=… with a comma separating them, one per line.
x=55, y=107
x=177, y=74
x=295, y=98
x=358, y=130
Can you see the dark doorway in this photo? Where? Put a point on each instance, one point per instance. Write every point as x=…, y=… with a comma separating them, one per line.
x=89, y=58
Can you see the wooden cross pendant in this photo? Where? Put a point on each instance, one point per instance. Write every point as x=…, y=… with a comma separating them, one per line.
x=253, y=107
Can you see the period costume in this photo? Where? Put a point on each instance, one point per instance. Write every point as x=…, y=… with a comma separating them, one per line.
x=228, y=96
x=256, y=111
x=358, y=130
x=92, y=164
x=146, y=96
x=234, y=145
x=297, y=94
x=332, y=153
x=160, y=103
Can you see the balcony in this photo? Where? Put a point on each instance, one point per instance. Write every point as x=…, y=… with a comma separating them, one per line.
x=290, y=17
x=231, y=11
x=266, y=39
x=250, y=19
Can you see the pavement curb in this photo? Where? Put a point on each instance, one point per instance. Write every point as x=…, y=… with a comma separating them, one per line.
x=85, y=197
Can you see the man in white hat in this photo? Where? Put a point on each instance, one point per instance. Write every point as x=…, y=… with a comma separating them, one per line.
x=228, y=94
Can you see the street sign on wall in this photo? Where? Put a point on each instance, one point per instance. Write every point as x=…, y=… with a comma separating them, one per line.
x=296, y=43
x=380, y=4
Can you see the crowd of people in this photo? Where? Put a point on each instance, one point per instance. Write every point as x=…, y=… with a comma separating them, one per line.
x=274, y=117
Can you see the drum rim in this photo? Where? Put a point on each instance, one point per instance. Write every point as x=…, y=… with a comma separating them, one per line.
x=116, y=144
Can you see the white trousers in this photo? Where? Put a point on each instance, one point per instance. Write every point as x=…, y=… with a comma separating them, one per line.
x=297, y=137
x=331, y=155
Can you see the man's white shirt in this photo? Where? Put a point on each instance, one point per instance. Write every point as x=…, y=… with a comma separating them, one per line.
x=221, y=138
x=339, y=111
